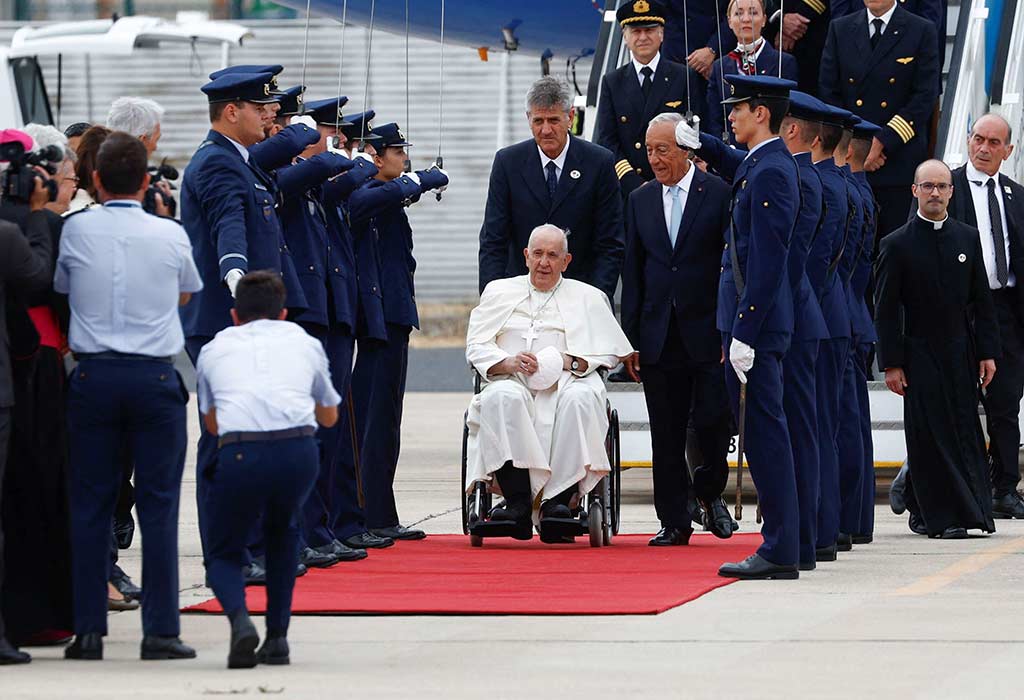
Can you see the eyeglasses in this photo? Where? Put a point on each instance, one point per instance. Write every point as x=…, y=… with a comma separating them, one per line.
x=928, y=187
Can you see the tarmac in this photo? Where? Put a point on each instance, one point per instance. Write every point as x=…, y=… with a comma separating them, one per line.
x=903, y=617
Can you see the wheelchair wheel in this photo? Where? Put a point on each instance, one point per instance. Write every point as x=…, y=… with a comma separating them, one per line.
x=615, y=478
x=595, y=524
x=608, y=508
x=465, y=460
x=476, y=541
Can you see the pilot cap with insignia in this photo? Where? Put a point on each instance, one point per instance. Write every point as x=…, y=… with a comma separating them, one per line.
x=641, y=13
x=272, y=68
x=360, y=127
x=747, y=87
x=328, y=112
x=390, y=136
x=240, y=87
x=290, y=100
x=865, y=130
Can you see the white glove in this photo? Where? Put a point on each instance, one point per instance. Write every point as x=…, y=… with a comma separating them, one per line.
x=231, y=280
x=414, y=177
x=687, y=136
x=363, y=155
x=741, y=356
x=335, y=149
x=304, y=119
x=444, y=172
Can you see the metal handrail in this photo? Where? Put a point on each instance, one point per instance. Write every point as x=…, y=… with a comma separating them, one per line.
x=1008, y=99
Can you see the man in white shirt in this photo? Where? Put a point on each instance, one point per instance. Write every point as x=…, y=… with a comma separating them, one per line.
x=268, y=457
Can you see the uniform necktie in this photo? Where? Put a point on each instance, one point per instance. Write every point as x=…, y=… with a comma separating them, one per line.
x=676, y=217
x=645, y=85
x=877, y=24
x=1002, y=272
x=552, y=177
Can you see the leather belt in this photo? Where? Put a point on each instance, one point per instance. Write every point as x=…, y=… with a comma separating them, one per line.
x=112, y=355
x=266, y=435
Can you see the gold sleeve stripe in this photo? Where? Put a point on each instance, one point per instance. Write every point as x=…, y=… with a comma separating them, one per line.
x=623, y=167
x=902, y=128
x=816, y=5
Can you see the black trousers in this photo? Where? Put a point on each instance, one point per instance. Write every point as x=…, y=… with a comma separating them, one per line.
x=5, y=434
x=674, y=386
x=1002, y=405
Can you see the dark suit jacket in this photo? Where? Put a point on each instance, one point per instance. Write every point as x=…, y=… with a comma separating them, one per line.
x=659, y=280
x=932, y=10
x=894, y=86
x=589, y=205
x=623, y=115
x=26, y=264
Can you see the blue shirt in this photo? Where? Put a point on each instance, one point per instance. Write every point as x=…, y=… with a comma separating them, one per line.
x=264, y=375
x=123, y=270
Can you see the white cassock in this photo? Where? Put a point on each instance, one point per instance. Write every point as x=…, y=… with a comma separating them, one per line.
x=558, y=434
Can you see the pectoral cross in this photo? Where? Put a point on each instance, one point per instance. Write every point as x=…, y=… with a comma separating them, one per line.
x=530, y=335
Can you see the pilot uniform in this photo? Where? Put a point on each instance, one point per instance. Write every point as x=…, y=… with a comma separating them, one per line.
x=123, y=271
x=891, y=80
x=692, y=25
x=631, y=96
x=755, y=306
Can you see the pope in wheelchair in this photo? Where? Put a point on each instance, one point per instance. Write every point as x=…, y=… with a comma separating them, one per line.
x=538, y=428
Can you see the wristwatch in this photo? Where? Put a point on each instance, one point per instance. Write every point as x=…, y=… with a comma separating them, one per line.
x=575, y=364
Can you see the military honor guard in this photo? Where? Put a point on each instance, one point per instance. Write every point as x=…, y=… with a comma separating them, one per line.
x=634, y=93
x=755, y=306
x=267, y=459
x=125, y=273
x=938, y=343
x=882, y=64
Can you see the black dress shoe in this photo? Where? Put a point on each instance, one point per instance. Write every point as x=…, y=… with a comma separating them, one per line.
x=917, y=526
x=398, y=532
x=342, y=551
x=670, y=537
x=10, y=655
x=87, y=647
x=162, y=648
x=717, y=520
x=898, y=491
x=554, y=509
x=124, y=584
x=807, y=566
x=314, y=559
x=254, y=574
x=367, y=540
x=844, y=543
x=301, y=570
x=244, y=640
x=1009, y=506
x=124, y=531
x=863, y=539
x=829, y=553
x=274, y=652
x=756, y=567
x=951, y=533
x=620, y=376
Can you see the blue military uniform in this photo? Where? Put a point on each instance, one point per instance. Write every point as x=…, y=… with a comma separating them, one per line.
x=755, y=306
x=359, y=131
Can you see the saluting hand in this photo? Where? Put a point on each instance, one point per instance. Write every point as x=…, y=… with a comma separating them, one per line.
x=896, y=380
x=986, y=370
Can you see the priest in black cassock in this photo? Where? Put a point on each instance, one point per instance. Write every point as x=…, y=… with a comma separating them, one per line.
x=937, y=341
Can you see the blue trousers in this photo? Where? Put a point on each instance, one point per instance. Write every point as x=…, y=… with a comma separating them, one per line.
x=109, y=402
x=850, y=446
x=347, y=517
x=206, y=452
x=272, y=478
x=800, y=403
x=866, y=523
x=829, y=373
x=316, y=530
x=768, y=450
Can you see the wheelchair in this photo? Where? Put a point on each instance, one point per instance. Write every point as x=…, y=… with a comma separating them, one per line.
x=596, y=516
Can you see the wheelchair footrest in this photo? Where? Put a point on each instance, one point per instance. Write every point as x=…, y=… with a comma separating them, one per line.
x=501, y=528
x=563, y=527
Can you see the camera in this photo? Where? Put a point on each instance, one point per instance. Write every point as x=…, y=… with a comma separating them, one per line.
x=162, y=172
x=19, y=180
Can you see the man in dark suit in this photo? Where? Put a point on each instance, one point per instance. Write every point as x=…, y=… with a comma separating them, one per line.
x=883, y=66
x=804, y=28
x=632, y=94
x=674, y=238
x=557, y=179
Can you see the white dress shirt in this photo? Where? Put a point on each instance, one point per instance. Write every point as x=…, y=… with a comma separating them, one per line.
x=653, y=65
x=559, y=161
x=885, y=19
x=667, y=198
x=978, y=182
x=264, y=375
x=241, y=149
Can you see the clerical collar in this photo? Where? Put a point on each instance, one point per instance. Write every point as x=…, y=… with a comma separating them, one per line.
x=935, y=224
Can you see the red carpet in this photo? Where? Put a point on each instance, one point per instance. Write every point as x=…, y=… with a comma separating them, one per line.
x=443, y=575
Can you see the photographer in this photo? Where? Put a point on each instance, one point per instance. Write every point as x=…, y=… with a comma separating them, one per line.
x=141, y=117
x=26, y=264
x=63, y=174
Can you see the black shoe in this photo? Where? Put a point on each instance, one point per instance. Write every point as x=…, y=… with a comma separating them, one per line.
x=898, y=491
x=670, y=537
x=244, y=640
x=367, y=540
x=274, y=652
x=398, y=532
x=87, y=647
x=556, y=539
x=951, y=533
x=863, y=539
x=917, y=525
x=1009, y=506
x=341, y=551
x=553, y=509
x=317, y=560
x=254, y=574
x=301, y=570
x=620, y=376
x=807, y=566
x=844, y=543
x=9, y=655
x=124, y=532
x=717, y=520
x=124, y=584
x=755, y=567
x=829, y=553
x=696, y=510
x=160, y=648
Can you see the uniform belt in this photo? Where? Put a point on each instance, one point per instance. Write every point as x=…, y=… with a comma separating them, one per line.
x=112, y=355
x=266, y=435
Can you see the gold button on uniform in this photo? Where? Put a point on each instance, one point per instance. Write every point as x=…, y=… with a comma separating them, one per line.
x=860, y=103
x=765, y=204
x=884, y=104
x=851, y=81
x=751, y=308
x=636, y=145
x=892, y=80
x=639, y=171
x=741, y=315
x=623, y=119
